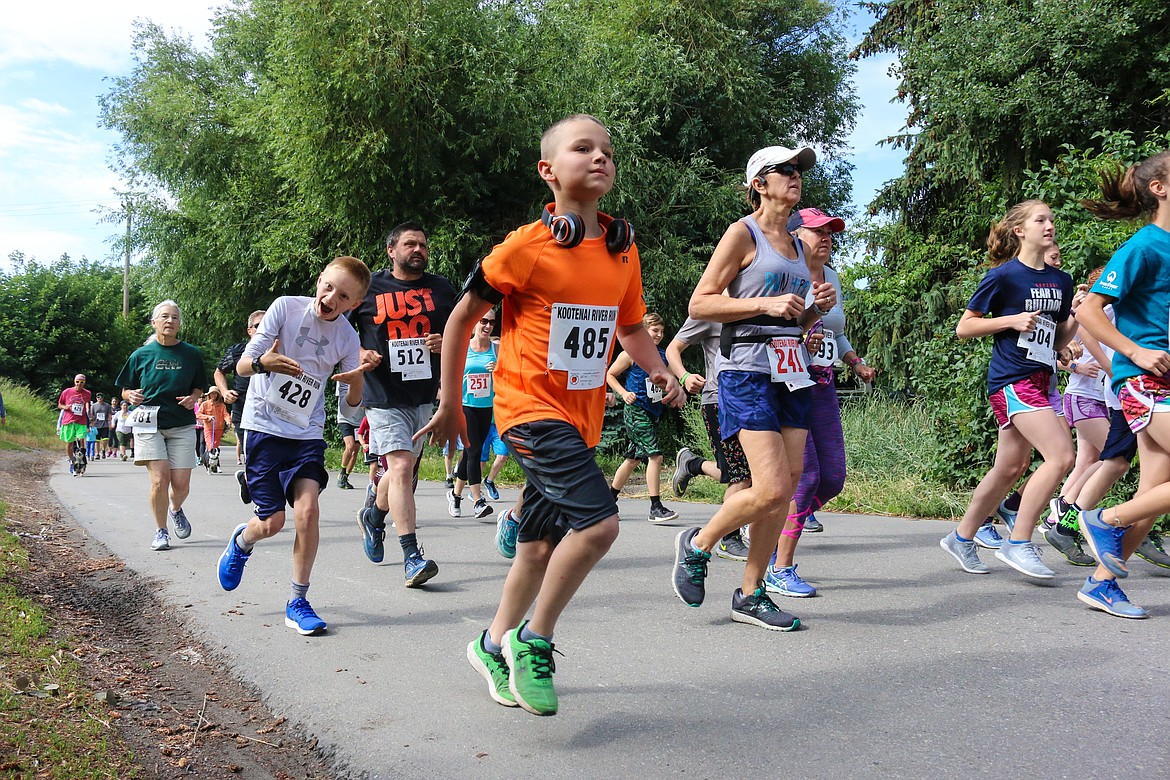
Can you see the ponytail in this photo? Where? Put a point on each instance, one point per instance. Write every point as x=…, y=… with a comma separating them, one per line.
x=1125, y=194
x=1002, y=242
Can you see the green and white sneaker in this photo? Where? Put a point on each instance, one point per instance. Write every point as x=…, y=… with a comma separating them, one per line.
x=493, y=668
x=531, y=669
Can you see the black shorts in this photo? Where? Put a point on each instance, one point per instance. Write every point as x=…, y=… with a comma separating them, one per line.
x=238, y=410
x=347, y=430
x=1121, y=442
x=566, y=489
x=103, y=433
x=729, y=457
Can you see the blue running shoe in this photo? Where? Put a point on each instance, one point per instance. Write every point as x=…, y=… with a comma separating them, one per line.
x=787, y=582
x=419, y=570
x=492, y=492
x=1104, y=541
x=1007, y=516
x=988, y=537
x=1107, y=596
x=372, y=537
x=231, y=563
x=507, y=531
x=299, y=616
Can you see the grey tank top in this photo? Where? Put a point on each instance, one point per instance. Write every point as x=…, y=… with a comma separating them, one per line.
x=769, y=274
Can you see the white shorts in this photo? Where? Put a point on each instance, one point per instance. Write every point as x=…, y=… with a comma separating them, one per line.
x=175, y=445
x=392, y=429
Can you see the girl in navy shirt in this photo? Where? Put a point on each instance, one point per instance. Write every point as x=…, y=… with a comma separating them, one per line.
x=1029, y=303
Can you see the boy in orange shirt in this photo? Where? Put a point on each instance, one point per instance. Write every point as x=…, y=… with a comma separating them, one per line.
x=559, y=326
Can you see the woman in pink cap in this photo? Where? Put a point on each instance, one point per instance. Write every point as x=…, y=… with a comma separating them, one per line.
x=824, y=450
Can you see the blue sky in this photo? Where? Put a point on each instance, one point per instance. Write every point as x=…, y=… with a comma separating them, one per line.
x=56, y=59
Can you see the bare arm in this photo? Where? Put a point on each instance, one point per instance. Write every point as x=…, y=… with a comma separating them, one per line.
x=621, y=364
x=642, y=349
x=734, y=251
x=1092, y=316
x=692, y=383
x=448, y=422
x=973, y=324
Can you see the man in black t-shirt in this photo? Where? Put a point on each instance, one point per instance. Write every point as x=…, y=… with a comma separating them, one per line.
x=234, y=397
x=400, y=323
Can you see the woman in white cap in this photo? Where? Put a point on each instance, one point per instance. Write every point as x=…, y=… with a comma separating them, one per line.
x=763, y=376
x=823, y=474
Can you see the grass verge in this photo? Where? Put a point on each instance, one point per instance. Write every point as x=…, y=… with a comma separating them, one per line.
x=887, y=446
x=51, y=725
x=31, y=422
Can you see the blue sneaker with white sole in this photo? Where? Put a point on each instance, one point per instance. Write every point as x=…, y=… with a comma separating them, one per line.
x=1107, y=596
x=786, y=582
x=1006, y=516
x=987, y=537
x=299, y=616
x=507, y=532
x=1104, y=541
x=231, y=563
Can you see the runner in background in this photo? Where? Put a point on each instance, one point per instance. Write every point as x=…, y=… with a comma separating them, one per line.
x=730, y=465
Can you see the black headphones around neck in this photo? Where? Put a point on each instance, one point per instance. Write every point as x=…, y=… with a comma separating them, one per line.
x=568, y=230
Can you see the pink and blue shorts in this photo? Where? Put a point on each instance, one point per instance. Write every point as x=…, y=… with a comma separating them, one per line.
x=1029, y=394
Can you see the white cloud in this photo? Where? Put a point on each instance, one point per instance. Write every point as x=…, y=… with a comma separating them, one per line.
x=89, y=34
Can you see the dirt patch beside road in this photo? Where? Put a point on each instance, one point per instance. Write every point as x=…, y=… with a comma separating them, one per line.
x=180, y=713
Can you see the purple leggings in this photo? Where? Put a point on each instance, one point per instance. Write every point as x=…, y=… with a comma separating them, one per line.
x=824, y=454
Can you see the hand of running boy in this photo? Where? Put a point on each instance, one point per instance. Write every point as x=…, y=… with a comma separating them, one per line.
x=695, y=383
x=446, y=428
x=672, y=393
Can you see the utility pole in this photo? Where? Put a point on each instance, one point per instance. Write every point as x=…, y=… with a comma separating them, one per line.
x=126, y=263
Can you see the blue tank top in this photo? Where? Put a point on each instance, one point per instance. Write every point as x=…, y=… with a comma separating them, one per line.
x=636, y=379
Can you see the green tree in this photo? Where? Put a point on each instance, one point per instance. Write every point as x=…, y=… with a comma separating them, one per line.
x=66, y=318
x=309, y=128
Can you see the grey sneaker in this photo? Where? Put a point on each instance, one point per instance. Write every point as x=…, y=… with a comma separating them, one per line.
x=481, y=509
x=1151, y=551
x=179, y=518
x=965, y=553
x=1069, y=547
x=732, y=547
x=759, y=610
x=682, y=470
x=812, y=525
x=453, y=507
x=162, y=540
x=1024, y=558
x=690, y=568
x=660, y=514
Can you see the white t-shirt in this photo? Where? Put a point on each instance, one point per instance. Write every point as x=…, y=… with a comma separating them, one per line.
x=318, y=346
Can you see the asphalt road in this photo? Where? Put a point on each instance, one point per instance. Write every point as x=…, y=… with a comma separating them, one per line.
x=906, y=666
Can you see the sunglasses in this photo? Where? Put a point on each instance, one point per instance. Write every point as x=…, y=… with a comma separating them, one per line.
x=784, y=169
x=486, y=321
